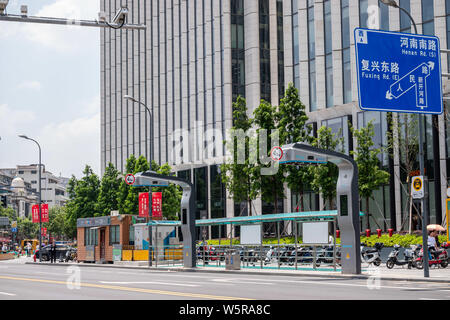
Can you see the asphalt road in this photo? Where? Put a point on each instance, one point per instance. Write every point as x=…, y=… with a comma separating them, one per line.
x=21, y=281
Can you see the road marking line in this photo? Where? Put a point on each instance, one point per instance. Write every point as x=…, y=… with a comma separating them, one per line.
x=152, y=291
x=151, y=282
x=7, y=294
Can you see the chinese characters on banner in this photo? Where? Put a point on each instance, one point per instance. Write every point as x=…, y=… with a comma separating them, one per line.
x=157, y=204
x=35, y=213
x=144, y=204
x=44, y=212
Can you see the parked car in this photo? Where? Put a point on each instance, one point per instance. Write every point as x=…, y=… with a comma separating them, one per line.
x=61, y=251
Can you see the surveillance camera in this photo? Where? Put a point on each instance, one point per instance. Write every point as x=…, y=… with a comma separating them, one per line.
x=24, y=11
x=120, y=16
x=3, y=4
x=102, y=16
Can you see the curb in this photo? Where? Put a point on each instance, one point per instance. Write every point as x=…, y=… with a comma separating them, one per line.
x=291, y=274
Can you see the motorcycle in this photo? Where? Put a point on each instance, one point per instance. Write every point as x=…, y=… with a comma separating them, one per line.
x=394, y=261
x=326, y=255
x=372, y=255
x=440, y=258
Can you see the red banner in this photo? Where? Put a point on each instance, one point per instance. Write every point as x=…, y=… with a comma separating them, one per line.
x=44, y=212
x=44, y=231
x=35, y=213
x=157, y=204
x=144, y=204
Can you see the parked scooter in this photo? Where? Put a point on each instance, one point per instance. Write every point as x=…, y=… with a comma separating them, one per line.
x=372, y=255
x=394, y=261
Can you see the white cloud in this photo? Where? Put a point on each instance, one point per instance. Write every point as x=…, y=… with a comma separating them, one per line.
x=34, y=85
x=12, y=120
x=70, y=145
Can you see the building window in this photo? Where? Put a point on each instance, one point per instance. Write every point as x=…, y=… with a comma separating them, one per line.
x=280, y=48
x=339, y=127
x=114, y=235
x=363, y=14
x=185, y=174
x=33, y=181
x=33, y=171
x=90, y=237
x=21, y=172
x=428, y=17
x=328, y=53
x=218, y=197
x=384, y=16
x=405, y=21
x=237, y=48
x=131, y=236
x=447, y=20
x=264, y=50
x=379, y=121
x=312, y=57
x=346, y=69
x=295, y=45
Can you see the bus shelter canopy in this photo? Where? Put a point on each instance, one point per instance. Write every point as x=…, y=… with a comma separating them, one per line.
x=309, y=216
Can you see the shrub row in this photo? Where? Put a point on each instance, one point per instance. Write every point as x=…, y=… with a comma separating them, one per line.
x=402, y=240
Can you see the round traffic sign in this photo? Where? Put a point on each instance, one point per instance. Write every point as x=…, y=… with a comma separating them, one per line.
x=276, y=153
x=417, y=184
x=129, y=179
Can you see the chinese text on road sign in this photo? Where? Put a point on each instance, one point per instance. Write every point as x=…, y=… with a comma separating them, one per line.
x=398, y=72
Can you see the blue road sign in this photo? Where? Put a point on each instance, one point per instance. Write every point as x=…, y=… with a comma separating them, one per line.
x=398, y=72
x=13, y=229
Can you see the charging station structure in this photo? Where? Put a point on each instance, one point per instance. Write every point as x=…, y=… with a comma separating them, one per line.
x=347, y=196
x=153, y=179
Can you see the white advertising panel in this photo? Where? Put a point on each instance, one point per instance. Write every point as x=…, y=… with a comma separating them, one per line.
x=251, y=234
x=315, y=232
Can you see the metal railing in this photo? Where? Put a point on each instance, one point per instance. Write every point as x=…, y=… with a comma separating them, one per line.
x=272, y=256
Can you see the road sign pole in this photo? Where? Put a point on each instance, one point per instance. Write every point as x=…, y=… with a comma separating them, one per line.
x=423, y=201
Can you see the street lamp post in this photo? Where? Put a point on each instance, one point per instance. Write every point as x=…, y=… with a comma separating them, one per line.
x=40, y=196
x=424, y=203
x=130, y=98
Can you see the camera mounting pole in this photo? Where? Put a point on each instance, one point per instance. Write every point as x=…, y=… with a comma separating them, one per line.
x=347, y=196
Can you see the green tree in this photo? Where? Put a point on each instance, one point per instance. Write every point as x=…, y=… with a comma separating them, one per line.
x=239, y=178
x=56, y=227
x=83, y=200
x=370, y=176
x=27, y=229
x=272, y=188
x=108, y=194
x=325, y=175
x=171, y=195
x=404, y=137
x=292, y=118
x=124, y=188
x=131, y=205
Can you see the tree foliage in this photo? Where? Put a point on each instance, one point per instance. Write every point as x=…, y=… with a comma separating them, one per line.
x=239, y=178
x=366, y=156
x=324, y=176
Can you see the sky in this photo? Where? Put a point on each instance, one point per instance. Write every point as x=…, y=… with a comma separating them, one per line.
x=50, y=88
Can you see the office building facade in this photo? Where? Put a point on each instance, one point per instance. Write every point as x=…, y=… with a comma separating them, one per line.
x=196, y=57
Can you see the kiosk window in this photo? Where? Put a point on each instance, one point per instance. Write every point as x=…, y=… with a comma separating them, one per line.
x=343, y=199
x=184, y=218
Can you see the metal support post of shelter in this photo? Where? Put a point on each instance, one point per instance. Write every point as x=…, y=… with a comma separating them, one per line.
x=346, y=194
x=152, y=179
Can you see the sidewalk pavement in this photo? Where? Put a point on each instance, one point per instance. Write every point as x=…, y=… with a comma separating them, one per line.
x=382, y=273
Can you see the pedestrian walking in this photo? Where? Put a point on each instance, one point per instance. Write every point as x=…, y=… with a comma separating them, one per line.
x=28, y=249
x=53, y=252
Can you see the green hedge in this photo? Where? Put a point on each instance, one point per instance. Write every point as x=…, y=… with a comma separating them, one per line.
x=402, y=240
